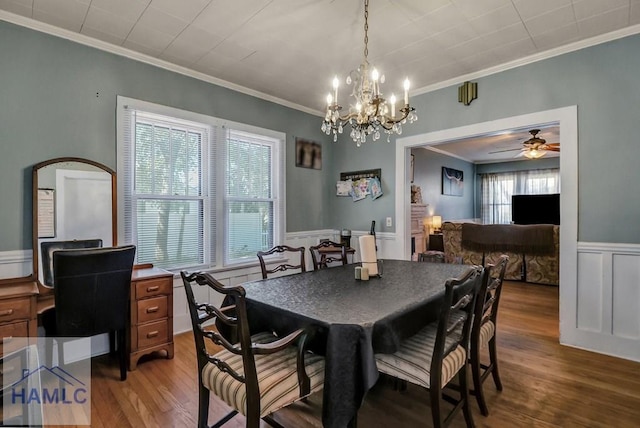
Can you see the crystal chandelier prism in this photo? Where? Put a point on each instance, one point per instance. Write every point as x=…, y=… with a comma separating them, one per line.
x=370, y=113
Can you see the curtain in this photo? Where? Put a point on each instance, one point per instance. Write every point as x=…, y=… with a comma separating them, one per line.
x=497, y=189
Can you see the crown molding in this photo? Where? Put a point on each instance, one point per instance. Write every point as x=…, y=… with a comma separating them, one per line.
x=137, y=56
x=572, y=47
x=147, y=59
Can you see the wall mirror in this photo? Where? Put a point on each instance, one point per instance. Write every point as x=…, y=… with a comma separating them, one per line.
x=74, y=199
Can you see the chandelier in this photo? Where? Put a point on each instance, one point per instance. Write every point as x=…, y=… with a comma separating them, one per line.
x=370, y=113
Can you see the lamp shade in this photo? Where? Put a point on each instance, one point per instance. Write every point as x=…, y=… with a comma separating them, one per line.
x=436, y=221
x=534, y=154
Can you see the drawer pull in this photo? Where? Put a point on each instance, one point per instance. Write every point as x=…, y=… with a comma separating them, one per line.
x=6, y=312
x=153, y=288
x=152, y=334
x=152, y=309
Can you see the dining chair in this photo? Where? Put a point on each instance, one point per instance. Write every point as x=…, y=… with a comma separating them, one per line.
x=258, y=374
x=92, y=291
x=327, y=252
x=431, y=256
x=483, y=331
x=433, y=356
x=282, y=250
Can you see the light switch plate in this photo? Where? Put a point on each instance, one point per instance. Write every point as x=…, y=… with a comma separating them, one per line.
x=389, y=222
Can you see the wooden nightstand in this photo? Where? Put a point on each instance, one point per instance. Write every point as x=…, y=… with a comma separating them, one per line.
x=436, y=242
x=151, y=314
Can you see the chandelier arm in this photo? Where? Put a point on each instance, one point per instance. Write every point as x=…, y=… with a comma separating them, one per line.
x=371, y=111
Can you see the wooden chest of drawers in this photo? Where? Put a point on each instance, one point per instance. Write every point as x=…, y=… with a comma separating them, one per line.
x=18, y=316
x=151, y=314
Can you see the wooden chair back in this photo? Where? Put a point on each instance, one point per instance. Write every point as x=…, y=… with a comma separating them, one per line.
x=233, y=317
x=328, y=252
x=483, y=332
x=282, y=249
x=454, y=321
x=431, y=256
x=230, y=317
x=489, y=296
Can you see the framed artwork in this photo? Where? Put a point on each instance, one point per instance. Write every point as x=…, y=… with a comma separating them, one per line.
x=360, y=184
x=308, y=154
x=452, y=181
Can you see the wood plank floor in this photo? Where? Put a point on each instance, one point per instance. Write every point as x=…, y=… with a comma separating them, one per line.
x=545, y=384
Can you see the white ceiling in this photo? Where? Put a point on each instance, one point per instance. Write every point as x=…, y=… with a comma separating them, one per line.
x=498, y=147
x=289, y=50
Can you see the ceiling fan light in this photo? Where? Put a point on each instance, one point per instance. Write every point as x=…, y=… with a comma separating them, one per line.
x=534, y=154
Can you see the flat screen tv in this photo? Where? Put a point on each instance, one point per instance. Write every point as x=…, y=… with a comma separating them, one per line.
x=535, y=209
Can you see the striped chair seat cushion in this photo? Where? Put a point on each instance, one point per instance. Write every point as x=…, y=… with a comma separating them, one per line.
x=277, y=377
x=412, y=362
x=487, y=331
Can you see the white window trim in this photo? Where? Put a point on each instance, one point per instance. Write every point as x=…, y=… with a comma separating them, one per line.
x=279, y=172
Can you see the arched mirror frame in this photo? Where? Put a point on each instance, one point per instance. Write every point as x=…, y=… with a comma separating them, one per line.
x=43, y=289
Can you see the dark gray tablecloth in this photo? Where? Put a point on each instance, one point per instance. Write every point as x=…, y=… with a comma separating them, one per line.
x=354, y=320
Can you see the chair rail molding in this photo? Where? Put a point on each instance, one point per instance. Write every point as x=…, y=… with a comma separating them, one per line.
x=16, y=264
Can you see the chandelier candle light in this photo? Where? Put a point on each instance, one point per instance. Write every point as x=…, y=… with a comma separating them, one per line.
x=371, y=111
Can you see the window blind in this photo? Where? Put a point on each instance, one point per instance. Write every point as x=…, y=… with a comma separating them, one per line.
x=167, y=186
x=249, y=196
x=198, y=192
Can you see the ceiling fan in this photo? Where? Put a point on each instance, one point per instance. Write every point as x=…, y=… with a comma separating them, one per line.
x=535, y=147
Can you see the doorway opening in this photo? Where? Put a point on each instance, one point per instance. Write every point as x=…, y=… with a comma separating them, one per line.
x=566, y=118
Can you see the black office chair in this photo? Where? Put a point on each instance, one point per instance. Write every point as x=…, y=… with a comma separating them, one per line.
x=91, y=296
x=49, y=247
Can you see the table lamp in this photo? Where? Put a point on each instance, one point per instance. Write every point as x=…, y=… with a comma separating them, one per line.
x=436, y=223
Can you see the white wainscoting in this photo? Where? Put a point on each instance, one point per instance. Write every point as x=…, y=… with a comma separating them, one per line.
x=607, y=302
x=181, y=320
x=15, y=264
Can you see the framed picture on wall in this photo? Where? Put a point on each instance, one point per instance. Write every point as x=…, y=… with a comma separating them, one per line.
x=452, y=181
x=308, y=154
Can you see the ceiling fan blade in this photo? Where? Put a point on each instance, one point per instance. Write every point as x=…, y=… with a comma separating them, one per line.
x=506, y=150
x=521, y=154
x=552, y=149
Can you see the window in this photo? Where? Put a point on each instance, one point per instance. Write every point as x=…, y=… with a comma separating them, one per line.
x=249, y=197
x=197, y=191
x=497, y=189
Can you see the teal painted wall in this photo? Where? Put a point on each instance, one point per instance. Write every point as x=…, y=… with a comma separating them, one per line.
x=601, y=80
x=58, y=98
x=428, y=175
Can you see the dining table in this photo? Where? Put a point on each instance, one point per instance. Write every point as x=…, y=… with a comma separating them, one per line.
x=351, y=320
